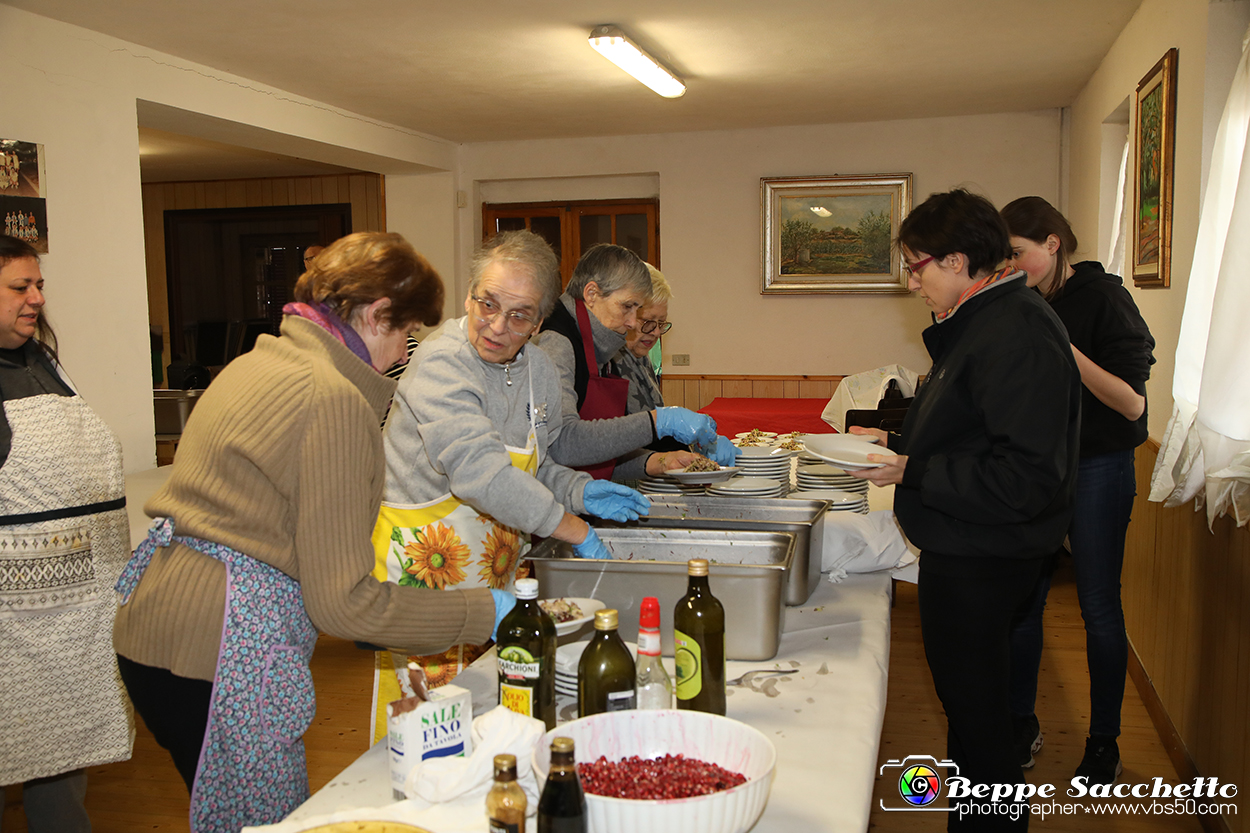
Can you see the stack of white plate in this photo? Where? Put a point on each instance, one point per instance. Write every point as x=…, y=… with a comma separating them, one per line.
x=750, y=487
x=766, y=462
x=839, y=501
x=567, y=658
x=824, y=477
x=668, y=486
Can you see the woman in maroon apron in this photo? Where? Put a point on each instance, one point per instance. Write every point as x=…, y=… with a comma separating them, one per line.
x=584, y=333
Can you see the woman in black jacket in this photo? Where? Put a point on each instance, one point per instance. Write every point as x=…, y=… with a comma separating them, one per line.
x=1113, y=349
x=984, y=474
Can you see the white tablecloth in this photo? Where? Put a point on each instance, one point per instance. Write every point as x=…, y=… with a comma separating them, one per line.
x=825, y=720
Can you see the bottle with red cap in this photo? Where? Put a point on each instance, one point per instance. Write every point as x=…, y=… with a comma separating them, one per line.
x=654, y=686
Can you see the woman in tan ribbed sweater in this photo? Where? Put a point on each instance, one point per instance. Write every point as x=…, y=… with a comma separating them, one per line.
x=269, y=510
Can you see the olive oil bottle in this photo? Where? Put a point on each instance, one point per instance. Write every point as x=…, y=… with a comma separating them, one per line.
x=699, y=637
x=562, y=805
x=605, y=673
x=506, y=803
x=525, y=650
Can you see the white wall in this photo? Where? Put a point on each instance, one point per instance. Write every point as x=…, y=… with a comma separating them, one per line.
x=1157, y=26
x=79, y=95
x=710, y=224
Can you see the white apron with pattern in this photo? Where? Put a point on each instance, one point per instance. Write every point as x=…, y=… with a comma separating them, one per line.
x=448, y=545
x=62, y=703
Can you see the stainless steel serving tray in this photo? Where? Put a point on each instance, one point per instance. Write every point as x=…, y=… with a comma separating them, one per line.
x=804, y=518
x=747, y=573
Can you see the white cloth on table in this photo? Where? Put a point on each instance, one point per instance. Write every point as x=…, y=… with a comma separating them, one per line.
x=857, y=543
x=862, y=391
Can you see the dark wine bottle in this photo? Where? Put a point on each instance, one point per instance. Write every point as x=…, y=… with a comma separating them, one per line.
x=562, y=805
x=699, y=637
x=605, y=673
x=525, y=649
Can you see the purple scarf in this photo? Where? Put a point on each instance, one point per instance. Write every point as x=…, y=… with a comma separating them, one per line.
x=326, y=319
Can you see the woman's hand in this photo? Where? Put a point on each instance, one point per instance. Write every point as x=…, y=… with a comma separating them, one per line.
x=592, y=547
x=614, y=501
x=685, y=426
x=1109, y=389
x=872, y=432
x=891, y=471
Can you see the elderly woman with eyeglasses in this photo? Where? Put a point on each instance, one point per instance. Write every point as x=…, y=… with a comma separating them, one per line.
x=583, y=336
x=469, y=475
x=634, y=363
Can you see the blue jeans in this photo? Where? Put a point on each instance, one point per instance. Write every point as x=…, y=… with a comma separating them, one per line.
x=1105, y=488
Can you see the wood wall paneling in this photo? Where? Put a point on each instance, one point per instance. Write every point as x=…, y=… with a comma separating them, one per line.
x=366, y=192
x=1186, y=592
x=697, y=391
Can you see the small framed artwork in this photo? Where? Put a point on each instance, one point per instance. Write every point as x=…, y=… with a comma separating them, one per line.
x=832, y=234
x=23, y=200
x=1155, y=142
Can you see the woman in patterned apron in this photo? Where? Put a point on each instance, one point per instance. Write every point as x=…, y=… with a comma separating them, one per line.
x=263, y=539
x=64, y=537
x=468, y=474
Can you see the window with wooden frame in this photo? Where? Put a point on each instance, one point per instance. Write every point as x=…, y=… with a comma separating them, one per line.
x=573, y=227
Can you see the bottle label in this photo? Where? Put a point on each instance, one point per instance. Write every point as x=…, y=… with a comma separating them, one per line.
x=620, y=701
x=649, y=643
x=497, y=826
x=518, y=679
x=689, y=657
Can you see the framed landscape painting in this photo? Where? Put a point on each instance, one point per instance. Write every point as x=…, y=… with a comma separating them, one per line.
x=832, y=234
x=1155, y=141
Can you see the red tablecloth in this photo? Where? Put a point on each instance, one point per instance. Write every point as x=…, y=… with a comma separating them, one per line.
x=734, y=415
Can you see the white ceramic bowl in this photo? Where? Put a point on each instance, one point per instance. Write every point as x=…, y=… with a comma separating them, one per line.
x=650, y=734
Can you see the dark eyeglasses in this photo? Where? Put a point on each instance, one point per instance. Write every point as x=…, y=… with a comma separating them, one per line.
x=649, y=325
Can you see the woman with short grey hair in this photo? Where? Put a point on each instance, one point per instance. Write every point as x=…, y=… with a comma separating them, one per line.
x=582, y=336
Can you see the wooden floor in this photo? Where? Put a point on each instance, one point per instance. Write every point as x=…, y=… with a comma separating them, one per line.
x=915, y=724
x=146, y=793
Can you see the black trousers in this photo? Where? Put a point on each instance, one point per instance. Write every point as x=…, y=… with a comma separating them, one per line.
x=175, y=710
x=967, y=609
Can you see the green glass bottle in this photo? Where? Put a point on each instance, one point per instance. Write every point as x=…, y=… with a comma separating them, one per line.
x=562, y=805
x=605, y=673
x=699, y=637
x=525, y=648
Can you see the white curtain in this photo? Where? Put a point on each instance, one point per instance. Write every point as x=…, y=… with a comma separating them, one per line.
x=1120, y=224
x=1206, y=449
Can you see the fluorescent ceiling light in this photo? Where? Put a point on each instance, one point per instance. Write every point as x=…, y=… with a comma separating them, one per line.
x=611, y=43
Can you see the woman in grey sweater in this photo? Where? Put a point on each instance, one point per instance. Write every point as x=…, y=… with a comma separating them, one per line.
x=469, y=469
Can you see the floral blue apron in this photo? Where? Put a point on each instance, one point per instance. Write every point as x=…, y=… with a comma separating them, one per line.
x=252, y=768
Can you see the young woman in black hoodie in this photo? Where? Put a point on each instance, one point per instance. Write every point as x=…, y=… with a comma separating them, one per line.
x=1113, y=349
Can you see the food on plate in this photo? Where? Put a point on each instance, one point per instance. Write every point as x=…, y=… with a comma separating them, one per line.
x=561, y=610
x=791, y=445
x=672, y=776
x=754, y=434
x=745, y=442
x=703, y=464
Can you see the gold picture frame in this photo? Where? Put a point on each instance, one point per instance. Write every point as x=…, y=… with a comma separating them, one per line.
x=1154, y=140
x=832, y=234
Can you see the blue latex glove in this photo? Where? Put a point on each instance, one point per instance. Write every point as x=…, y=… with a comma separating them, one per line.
x=504, y=602
x=592, y=547
x=605, y=499
x=726, y=453
x=695, y=430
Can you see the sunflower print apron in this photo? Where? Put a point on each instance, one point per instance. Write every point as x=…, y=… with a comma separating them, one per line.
x=444, y=544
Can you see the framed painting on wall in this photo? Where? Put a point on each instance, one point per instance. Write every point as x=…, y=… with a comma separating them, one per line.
x=23, y=193
x=832, y=234
x=1155, y=142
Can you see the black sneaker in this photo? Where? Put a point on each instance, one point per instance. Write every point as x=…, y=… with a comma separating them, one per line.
x=1101, y=764
x=1028, y=739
